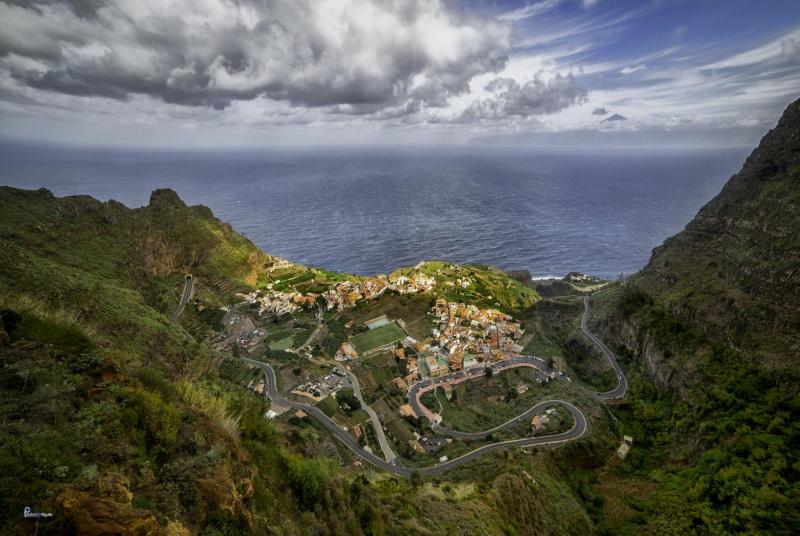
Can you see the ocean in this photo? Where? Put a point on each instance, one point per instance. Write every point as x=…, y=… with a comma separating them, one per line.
x=369, y=210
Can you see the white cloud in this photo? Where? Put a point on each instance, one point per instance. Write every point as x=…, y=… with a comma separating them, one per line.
x=528, y=11
x=310, y=53
x=782, y=49
x=632, y=69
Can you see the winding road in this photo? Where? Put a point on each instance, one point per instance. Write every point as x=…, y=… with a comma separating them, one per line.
x=188, y=289
x=306, y=345
x=388, y=453
x=578, y=430
x=622, y=382
x=392, y=464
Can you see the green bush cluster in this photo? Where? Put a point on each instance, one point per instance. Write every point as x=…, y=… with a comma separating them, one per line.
x=726, y=453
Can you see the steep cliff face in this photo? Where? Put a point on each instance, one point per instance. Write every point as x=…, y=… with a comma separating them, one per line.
x=709, y=332
x=733, y=275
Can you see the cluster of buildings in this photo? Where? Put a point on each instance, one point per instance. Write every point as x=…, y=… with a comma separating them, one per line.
x=318, y=389
x=466, y=335
x=278, y=303
x=347, y=293
x=278, y=264
x=408, y=365
x=239, y=330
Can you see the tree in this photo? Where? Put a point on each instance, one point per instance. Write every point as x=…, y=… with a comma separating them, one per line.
x=308, y=478
x=347, y=400
x=489, y=372
x=512, y=394
x=416, y=480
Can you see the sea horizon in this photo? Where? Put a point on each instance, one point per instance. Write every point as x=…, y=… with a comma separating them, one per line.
x=368, y=210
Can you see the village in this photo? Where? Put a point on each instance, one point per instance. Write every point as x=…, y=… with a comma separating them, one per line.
x=465, y=337
x=341, y=296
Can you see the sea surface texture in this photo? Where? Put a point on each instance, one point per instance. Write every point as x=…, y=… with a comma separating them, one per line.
x=369, y=211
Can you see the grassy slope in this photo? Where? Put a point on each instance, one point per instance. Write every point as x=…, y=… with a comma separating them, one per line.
x=106, y=407
x=489, y=287
x=710, y=330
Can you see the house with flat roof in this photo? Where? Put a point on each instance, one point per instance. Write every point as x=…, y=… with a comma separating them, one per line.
x=436, y=366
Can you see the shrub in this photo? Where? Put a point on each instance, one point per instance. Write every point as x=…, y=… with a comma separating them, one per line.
x=308, y=478
x=159, y=419
x=215, y=407
x=154, y=381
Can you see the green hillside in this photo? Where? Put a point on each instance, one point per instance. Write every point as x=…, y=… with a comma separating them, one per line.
x=712, y=330
x=117, y=421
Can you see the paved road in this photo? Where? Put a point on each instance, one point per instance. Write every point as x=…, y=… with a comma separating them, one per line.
x=418, y=389
x=188, y=289
x=388, y=454
x=622, y=382
x=578, y=430
x=393, y=465
x=314, y=334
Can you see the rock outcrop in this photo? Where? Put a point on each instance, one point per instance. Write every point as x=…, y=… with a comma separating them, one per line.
x=95, y=516
x=165, y=198
x=733, y=274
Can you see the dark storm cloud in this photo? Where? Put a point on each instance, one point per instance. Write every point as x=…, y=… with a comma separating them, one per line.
x=361, y=54
x=534, y=97
x=599, y=111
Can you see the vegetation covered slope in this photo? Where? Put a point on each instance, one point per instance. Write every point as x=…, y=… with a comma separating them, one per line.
x=713, y=323
x=117, y=422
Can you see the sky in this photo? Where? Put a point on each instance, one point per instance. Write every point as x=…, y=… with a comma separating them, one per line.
x=253, y=73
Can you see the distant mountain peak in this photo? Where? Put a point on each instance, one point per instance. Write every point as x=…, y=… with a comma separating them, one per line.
x=615, y=117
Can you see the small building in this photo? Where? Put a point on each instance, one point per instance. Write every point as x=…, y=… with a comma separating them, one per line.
x=470, y=361
x=346, y=351
x=406, y=411
x=415, y=446
x=623, y=450
x=536, y=422
x=401, y=384
x=436, y=366
x=300, y=414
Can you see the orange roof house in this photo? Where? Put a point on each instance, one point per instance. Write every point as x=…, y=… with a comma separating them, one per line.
x=536, y=422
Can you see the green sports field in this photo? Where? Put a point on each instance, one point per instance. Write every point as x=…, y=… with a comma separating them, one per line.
x=378, y=337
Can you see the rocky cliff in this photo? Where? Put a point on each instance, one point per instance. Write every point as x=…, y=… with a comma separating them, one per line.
x=732, y=276
x=709, y=334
